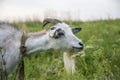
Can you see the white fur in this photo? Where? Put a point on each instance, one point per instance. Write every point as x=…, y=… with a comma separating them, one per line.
x=46, y=41
x=69, y=62
x=36, y=41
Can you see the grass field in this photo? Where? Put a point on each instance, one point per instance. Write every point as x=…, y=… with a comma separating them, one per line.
x=101, y=60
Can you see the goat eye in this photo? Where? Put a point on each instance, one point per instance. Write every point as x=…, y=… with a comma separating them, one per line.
x=52, y=28
x=61, y=34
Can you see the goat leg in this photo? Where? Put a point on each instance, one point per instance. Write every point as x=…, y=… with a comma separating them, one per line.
x=21, y=70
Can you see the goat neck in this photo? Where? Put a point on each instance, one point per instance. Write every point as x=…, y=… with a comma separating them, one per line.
x=37, y=41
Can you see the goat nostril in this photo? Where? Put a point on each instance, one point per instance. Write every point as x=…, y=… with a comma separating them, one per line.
x=80, y=44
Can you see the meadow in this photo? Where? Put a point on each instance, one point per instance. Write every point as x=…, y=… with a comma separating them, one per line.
x=100, y=60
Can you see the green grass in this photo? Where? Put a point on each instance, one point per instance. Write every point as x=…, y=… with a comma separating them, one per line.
x=100, y=62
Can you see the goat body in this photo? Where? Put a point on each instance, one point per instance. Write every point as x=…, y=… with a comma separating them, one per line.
x=10, y=41
x=60, y=36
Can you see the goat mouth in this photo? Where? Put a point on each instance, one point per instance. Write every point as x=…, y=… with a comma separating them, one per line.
x=78, y=48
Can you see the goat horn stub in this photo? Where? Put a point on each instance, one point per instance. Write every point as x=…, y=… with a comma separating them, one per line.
x=53, y=21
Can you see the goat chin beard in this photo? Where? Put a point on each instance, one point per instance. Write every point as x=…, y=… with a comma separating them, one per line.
x=69, y=62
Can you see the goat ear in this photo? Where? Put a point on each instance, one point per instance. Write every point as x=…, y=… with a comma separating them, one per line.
x=76, y=30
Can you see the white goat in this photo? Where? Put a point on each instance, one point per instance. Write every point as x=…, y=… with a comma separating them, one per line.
x=58, y=37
